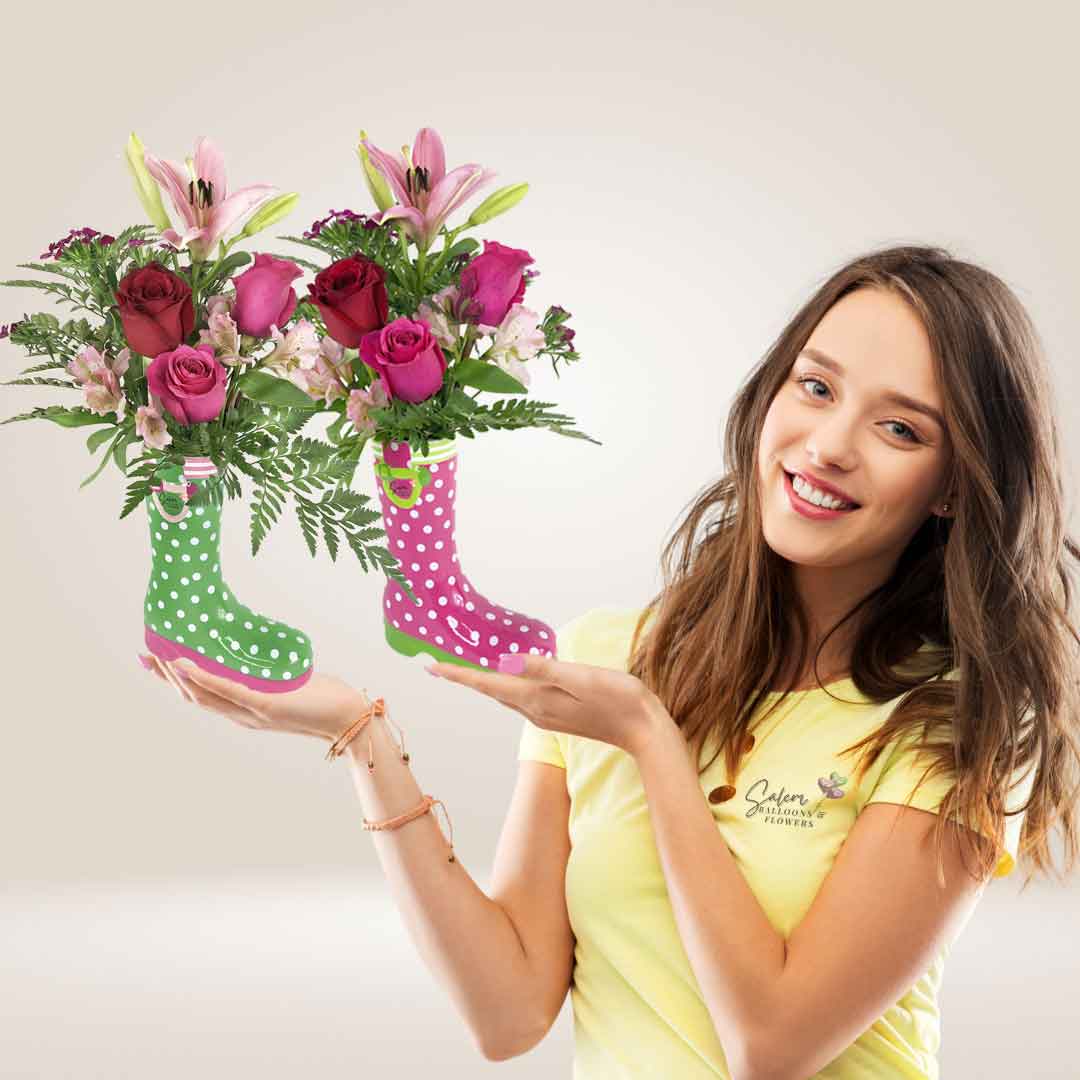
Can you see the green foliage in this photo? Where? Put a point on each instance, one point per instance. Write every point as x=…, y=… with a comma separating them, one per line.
x=77, y=417
x=304, y=468
x=484, y=376
x=274, y=390
x=452, y=412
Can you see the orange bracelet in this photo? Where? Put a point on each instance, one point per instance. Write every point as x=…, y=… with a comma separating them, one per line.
x=378, y=708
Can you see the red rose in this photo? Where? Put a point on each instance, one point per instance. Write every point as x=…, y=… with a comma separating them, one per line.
x=351, y=296
x=189, y=382
x=155, y=308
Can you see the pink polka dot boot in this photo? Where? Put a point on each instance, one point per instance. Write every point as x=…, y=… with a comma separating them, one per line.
x=451, y=621
x=190, y=611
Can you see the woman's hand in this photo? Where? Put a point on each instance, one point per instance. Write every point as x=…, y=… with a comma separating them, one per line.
x=323, y=707
x=578, y=699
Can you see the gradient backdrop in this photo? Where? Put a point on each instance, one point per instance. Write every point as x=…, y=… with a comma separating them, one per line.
x=178, y=889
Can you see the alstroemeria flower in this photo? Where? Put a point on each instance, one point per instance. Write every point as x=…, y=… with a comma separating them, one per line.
x=361, y=402
x=439, y=314
x=150, y=427
x=426, y=193
x=222, y=332
x=99, y=377
x=298, y=348
x=199, y=197
x=329, y=377
x=517, y=337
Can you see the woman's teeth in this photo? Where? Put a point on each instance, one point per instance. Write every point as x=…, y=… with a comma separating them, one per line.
x=818, y=497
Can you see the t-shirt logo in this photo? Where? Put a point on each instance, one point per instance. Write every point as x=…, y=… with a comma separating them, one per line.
x=831, y=785
x=776, y=805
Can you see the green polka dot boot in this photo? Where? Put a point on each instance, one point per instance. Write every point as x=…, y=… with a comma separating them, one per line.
x=190, y=611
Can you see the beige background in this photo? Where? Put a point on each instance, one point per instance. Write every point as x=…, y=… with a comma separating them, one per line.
x=176, y=885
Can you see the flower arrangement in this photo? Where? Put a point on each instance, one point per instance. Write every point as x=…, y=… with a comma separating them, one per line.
x=185, y=349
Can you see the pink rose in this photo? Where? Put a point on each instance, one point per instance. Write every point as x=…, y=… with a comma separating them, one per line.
x=406, y=357
x=264, y=297
x=492, y=283
x=189, y=382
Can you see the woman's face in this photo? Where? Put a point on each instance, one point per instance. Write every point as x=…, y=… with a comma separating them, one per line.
x=888, y=457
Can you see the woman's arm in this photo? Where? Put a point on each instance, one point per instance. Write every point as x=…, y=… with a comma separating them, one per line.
x=467, y=940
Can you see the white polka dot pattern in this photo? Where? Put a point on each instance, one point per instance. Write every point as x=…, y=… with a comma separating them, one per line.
x=199, y=603
x=451, y=621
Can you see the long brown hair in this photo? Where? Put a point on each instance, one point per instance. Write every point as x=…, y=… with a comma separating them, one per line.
x=987, y=590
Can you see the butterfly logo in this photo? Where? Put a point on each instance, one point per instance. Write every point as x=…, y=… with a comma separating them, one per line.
x=832, y=784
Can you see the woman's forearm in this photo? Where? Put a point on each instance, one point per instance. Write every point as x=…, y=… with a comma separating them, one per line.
x=467, y=940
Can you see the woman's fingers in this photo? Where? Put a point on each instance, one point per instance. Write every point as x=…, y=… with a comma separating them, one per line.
x=223, y=695
x=169, y=676
x=196, y=694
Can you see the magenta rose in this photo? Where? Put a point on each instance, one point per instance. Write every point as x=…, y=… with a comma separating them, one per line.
x=492, y=283
x=407, y=359
x=190, y=383
x=351, y=297
x=264, y=295
x=155, y=309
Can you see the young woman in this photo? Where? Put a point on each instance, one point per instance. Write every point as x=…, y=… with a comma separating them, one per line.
x=873, y=634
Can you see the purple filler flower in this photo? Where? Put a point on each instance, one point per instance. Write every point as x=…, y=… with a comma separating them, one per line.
x=56, y=248
x=339, y=215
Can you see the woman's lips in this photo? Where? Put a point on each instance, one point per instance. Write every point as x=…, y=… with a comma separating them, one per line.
x=809, y=509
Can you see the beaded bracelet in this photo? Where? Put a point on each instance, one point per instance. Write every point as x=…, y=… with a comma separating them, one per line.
x=378, y=708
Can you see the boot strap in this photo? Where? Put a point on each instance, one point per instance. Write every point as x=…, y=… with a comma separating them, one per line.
x=176, y=489
x=420, y=475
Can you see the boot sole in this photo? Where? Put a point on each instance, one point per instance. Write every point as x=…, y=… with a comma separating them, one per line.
x=166, y=649
x=410, y=646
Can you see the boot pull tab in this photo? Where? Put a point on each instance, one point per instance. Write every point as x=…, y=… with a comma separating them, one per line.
x=397, y=481
x=184, y=490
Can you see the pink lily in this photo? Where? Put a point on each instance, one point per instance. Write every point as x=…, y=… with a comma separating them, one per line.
x=199, y=196
x=426, y=193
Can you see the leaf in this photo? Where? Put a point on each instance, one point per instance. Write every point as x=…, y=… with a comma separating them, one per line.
x=136, y=494
x=232, y=262
x=104, y=461
x=484, y=376
x=270, y=390
x=67, y=417
x=462, y=247
x=333, y=432
x=120, y=451
x=67, y=384
x=98, y=437
x=331, y=538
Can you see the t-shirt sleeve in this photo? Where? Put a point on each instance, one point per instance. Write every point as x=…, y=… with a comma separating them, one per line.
x=536, y=743
x=904, y=768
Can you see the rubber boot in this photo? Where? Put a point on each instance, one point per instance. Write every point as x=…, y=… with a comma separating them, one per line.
x=190, y=611
x=450, y=621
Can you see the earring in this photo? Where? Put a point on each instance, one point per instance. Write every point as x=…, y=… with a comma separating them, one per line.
x=945, y=508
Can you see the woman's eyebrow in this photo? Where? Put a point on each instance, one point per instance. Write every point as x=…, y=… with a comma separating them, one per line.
x=893, y=396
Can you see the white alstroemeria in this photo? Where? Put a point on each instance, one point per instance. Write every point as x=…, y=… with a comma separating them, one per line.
x=515, y=340
x=150, y=427
x=299, y=348
x=330, y=375
x=443, y=328
x=222, y=332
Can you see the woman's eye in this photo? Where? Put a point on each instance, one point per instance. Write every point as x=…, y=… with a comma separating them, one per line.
x=911, y=436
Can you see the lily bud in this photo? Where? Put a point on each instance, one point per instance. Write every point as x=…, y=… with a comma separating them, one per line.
x=498, y=203
x=145, y=185
x=270, y=212
x=376, y=182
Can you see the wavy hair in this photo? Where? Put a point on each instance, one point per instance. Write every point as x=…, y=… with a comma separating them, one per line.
x=987, y=589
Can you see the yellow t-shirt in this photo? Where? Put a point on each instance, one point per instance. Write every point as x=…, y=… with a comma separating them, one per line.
x=638, y=1010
